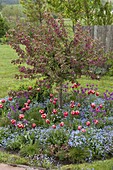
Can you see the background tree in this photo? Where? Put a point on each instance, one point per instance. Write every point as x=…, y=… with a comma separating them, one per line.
x=3, y=26
x=10, y=1
x=12, y=12
x=50, y=52
x=1, y=6
x=34, y=9
x=97, y=13
x=86, y=11
x=68, y=9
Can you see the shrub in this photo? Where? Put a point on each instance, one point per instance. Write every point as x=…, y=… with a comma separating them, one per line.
x=3, y=26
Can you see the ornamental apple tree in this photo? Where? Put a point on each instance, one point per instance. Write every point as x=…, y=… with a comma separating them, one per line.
x=51, y=52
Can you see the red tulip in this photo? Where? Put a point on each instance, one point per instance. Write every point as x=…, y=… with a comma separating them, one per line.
x=20, y=125
x=38, y=89
x=30, y=88
x=13, y=121
x=79, y=105
x=56, y=99
x=21, y=116
x=75, y=85
x=27, y=107
x=1, y=106
x=28, y=101
x=77, y=112
x=26, y=104
x=101, y=106
x=97, y=109
x=62, y=124
x=65, y=114
x=47, y=121
x=43, y=116
x=23, y=109
x=83, y=130
x=41, y=111
x=51, y=95
x=54, y=102
x=72, y=102
x=3, y=101
x=79, y=127
x=33, y=125
x=54, y=126
x=54, y=111
x=88, y=123
x=51, y=100
x=10, y=98
x=97, y=94
x=73, y=112
x=93, y=91
x=89, y=92
x=96, y=122
x=72, y=105
x=93, y=105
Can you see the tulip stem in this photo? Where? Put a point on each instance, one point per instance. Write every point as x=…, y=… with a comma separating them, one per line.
x=60, y=96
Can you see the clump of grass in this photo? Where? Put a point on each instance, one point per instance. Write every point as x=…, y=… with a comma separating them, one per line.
x=98, y=165
x=12, y=159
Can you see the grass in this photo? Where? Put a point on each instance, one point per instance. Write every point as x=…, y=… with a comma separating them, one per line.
x=106, y=83
x=97, y=165
x=8, y=71
x=12, y=159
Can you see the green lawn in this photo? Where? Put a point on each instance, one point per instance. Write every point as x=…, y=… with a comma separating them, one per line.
x=98, y=165
x=12, y=159
x=106, y=83
x=8, y=71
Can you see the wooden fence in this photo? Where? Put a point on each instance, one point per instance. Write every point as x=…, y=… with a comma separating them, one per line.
x=104, y=34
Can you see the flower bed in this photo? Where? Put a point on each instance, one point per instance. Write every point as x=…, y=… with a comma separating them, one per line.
x=81, y=131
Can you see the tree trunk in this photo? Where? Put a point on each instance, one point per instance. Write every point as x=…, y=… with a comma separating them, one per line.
x=60, y=101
